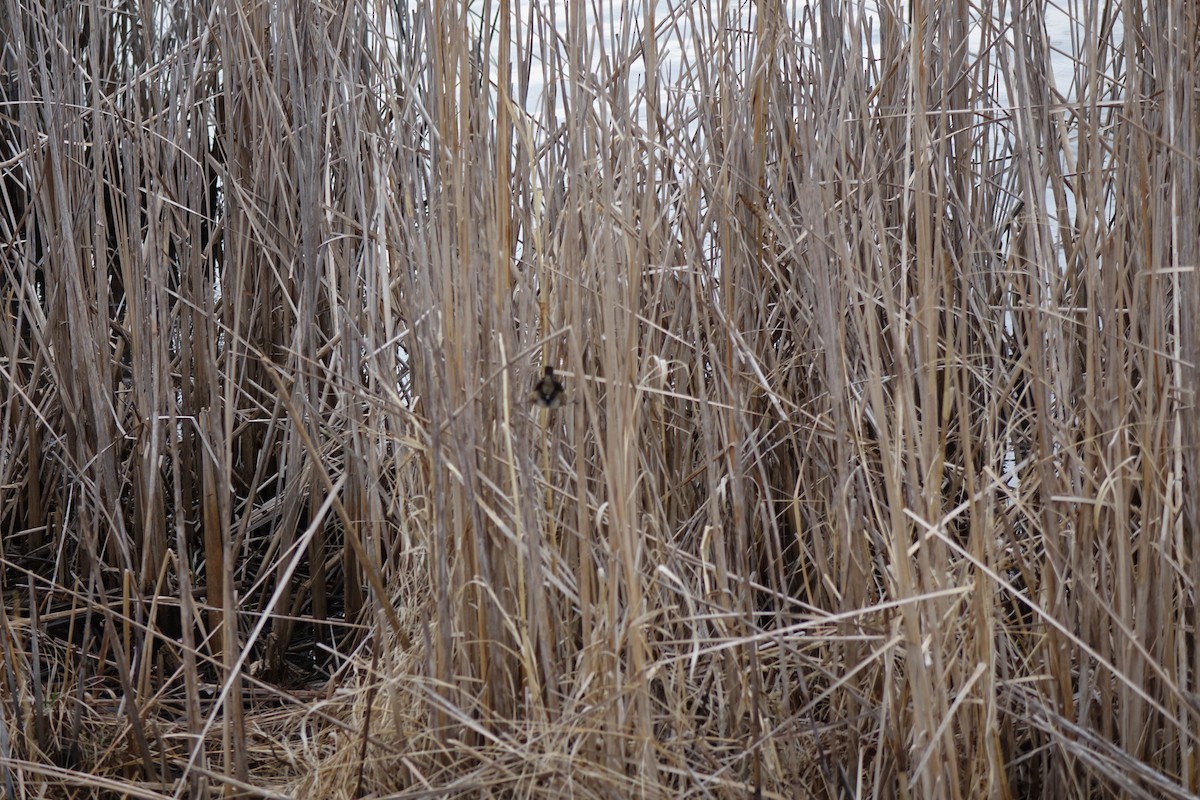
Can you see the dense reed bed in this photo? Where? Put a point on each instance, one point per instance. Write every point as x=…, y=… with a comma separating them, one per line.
x=876, y=471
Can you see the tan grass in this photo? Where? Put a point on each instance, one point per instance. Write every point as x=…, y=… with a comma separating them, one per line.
x=876, y=475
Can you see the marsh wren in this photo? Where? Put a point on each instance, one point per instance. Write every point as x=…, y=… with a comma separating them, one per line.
x=548, y=392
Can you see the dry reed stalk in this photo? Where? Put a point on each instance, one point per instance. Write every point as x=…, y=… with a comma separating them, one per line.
x=876, y=474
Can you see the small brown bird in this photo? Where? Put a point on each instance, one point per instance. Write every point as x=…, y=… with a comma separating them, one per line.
x=549, y=392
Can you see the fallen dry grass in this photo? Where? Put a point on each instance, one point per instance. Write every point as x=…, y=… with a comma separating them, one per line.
x=877, y=472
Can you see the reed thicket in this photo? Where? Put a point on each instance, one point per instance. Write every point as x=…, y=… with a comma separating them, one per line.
x=877, y=472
